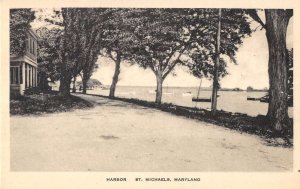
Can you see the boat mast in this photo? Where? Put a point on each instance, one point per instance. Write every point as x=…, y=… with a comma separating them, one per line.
x=198, y=93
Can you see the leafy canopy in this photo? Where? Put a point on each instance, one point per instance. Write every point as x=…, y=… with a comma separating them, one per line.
x=202, y=27
x=20, y=20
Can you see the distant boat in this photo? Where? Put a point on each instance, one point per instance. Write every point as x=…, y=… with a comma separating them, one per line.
x=264, y=99
x=253, y=99
x=201, y=99
x=290, y=101
x=187, y=93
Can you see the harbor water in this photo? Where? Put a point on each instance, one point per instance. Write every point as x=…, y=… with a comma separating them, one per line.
x=232, y=101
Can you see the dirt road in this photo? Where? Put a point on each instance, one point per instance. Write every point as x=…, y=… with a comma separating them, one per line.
x=118, y=136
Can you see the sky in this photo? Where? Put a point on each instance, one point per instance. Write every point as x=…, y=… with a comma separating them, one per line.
x=251, y=68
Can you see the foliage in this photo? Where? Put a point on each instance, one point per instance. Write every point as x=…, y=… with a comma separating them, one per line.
x=119, y=40
x=78, y=44
x=48, y=57
x=19, y=25
x=249, y=88
x=118, y=36
x=160, y=42
x=158, y=39
x=161, y=39
x=202, y=27
x=87, y=29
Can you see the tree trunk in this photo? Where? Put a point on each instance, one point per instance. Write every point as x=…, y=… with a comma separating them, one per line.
x=74, y=84
x=84, y=85
x=43, y=82
x=216, y=69
x=85, y=78
x=276, y=27
x=115, y=78
x=159, y=83
x=65, y=81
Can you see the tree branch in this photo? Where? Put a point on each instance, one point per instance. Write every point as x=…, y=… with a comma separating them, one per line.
x=174, y=64
x=110, y=56
x=152, y=68
x=253, y=14
x=54, y=22
x=168, y=59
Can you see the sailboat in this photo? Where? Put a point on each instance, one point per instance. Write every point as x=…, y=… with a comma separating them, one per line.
x=189, y=93
x=197, y=99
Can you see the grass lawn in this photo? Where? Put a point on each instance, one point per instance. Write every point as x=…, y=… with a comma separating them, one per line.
x=23, y=105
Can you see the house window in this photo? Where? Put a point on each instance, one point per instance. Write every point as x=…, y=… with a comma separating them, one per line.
x=27, y=45
x=32, y=72
x=14, y=75
x=29, y=76
x=26, y=75
x=21, y=74
x=32, y=47
x=36, y=46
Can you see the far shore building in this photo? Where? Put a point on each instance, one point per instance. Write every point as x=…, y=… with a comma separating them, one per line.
x=23, y=69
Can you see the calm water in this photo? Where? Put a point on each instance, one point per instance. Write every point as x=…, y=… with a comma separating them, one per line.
x=231, y=101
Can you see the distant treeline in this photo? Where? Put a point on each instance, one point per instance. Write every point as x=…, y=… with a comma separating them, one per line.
x=248, y=90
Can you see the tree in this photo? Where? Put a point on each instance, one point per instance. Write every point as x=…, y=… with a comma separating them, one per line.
x=118, y=40
x=212, y=41
x=88, y=31
x=161, y=43
x=20, y=20
x=65, y=45
x=76, y=47
x=68, y=50
x=78, y=44
x=276, y=24
x=249, y=88
x=48, y=59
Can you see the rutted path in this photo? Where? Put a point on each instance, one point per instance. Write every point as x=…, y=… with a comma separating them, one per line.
x=118, y=136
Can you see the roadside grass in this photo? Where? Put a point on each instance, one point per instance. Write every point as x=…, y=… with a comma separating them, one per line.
x=24, y=105
x=241, y=122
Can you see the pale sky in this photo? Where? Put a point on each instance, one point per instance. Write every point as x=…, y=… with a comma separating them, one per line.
x=252, y=68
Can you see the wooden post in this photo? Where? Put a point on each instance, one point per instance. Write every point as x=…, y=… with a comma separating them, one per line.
x=216, y=68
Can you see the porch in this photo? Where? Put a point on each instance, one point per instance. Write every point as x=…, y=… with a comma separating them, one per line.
x=23, y=75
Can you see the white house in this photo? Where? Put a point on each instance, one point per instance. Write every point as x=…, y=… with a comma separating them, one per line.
x=23, y=69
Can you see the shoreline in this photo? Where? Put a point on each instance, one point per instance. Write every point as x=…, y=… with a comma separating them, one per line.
x=231, y=120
